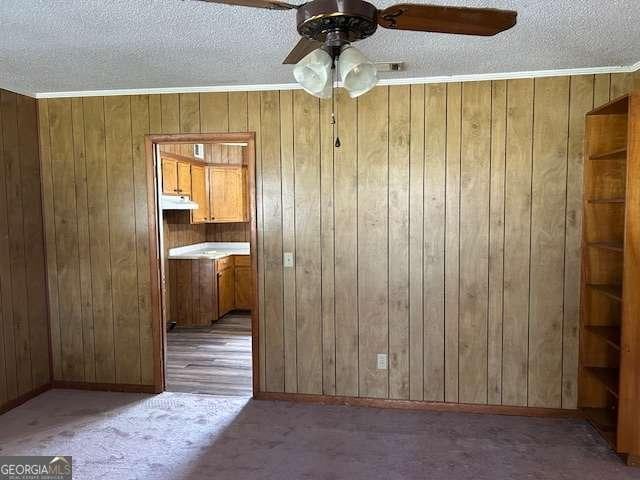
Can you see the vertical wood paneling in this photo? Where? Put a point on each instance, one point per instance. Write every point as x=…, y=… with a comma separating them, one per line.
x=170, y=113
x=452, y=242
x=66, y=228
x=621, y=84
x=6, y=282
x=46, y=166
x=237, y=111
x=306, y=144
x=24, y=333
x=416, y=244
x=215, y=118
x=373, y=240
x=515, y=354
x=326, y=245
x=140, y=126
x=272, y=237
x=346, y=251
x=412, y=238
x=434, y=239
x=99, y=231
x=474, y=240
x=84, y=240
x=4, y=397
x=254, y=125
x=601, y=89
x=33, y=239
x=17, y=251
x=549, y=192
x=288, y=241
x=496, y=241
x=189, y=113
x=581, y=101
x=399, y=136
x=122, y=238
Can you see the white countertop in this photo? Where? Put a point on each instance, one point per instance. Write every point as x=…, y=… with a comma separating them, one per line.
x=211, y=250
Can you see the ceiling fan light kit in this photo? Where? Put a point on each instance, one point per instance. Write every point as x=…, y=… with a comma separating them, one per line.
x=313, y=73
x=328, y=27
x=357, y=72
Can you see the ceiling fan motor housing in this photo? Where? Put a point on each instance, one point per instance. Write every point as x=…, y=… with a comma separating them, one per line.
x=337, y=22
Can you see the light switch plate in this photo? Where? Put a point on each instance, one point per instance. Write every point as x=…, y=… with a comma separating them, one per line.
x=382, y=361
x=288, y=259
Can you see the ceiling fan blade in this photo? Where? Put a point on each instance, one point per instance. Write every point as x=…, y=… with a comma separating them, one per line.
x=301, y=50
x=268, y=4
x=443, y=19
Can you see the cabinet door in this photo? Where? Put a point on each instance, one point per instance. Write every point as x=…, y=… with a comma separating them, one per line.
x=226, y=291
x=184, y=178
x=169, y=176
x=228, y=194
x=199, y=194
x=243, y=288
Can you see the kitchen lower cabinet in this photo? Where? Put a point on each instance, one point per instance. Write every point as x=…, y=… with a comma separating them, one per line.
x=243, y=286
x=194, y=295
x=226, y=290
x=202, y=291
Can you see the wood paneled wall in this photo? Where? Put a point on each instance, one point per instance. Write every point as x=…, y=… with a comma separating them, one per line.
x=24, y=335
x=444, y=232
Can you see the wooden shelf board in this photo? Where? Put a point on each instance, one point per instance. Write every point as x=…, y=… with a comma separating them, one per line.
x=611, y=335
x=620, y=200
x=617, y=154
x=612, y=246
x=617, y=106
x=608, y=377
x=612, y=291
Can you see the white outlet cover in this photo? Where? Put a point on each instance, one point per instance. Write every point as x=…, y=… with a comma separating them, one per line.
x=288, y=259
x=382, y=361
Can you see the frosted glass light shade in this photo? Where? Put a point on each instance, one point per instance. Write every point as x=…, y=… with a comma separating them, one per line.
x=358, y=73
x=313, y=73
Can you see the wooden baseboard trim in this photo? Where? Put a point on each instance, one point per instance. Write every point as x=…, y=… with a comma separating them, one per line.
x=10, y=405
x=633, y=460
x=420, y=405
x=105, y=387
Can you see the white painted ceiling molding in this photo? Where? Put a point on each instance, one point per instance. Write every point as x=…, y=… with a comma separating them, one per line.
x=294, y=86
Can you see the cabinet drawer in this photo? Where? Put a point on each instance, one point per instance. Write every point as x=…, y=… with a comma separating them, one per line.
x=224, y=263
x=242, y=260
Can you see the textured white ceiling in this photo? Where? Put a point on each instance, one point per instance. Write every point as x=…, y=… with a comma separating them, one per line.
x=75, y=45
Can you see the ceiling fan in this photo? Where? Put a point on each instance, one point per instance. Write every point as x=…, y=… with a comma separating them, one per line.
x=329, y=27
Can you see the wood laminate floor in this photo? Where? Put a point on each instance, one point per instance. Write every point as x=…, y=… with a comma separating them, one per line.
x=215, y=360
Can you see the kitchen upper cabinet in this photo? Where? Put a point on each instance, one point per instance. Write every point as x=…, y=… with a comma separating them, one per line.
x=228, y=193
x=184, y=178
x=200, y=194
x=220, y=192
x=169, y=176
x=176, y=177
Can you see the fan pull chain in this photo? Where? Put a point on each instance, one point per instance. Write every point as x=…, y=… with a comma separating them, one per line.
x=333, y=106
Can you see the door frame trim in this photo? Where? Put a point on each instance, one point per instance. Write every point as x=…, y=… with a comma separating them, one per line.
x=156, y=255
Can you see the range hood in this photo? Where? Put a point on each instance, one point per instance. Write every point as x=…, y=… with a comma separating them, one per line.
x=180, y=202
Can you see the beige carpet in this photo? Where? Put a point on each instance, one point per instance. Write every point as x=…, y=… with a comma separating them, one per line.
x=176, y=436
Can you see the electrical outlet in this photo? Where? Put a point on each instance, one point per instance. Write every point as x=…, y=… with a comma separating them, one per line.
x=382, y=361
x=288, y=259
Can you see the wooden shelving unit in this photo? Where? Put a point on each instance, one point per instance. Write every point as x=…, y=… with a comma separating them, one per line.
x=609, y=376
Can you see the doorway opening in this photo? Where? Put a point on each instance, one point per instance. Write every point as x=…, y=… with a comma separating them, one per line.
x=203, y=262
